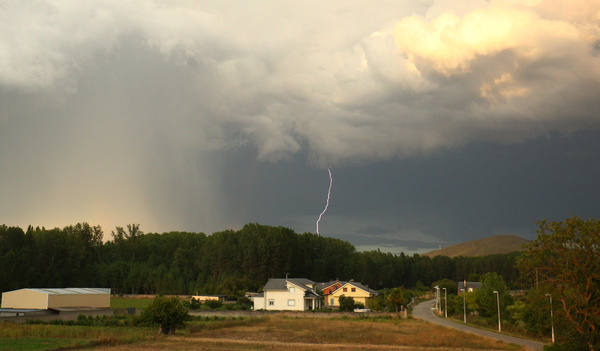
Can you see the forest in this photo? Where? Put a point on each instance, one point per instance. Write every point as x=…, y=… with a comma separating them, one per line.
x=228, y=262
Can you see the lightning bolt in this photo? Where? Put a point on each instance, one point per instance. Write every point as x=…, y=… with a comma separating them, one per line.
x=327, y=203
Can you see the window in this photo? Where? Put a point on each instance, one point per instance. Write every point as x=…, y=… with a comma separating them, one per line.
x=331, y=301
x=271, y=302
x=292, y=290
x=345, y=289
x=353, y=289
x=291, y=302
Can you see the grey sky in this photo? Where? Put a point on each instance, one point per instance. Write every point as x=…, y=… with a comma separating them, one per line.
x=441, y=122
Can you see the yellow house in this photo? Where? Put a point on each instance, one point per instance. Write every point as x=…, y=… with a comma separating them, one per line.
x=359, y=292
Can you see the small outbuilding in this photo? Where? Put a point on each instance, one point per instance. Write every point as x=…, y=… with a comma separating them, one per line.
x=45, y=299
x=204, y=298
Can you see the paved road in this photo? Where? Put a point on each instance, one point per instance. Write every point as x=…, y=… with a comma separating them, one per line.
x=423, y=311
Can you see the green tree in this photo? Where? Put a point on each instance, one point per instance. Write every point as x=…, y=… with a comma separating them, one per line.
x=450, y=285
x=395, y=298
x=169, y=313
x=486, y=298
x=346, y=304
x=565, y=261
x=376, y=303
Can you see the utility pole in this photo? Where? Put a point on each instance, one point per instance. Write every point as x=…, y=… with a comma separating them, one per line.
x=445, y=302
x=464, y=305
x=498, y=301
x=551, y=316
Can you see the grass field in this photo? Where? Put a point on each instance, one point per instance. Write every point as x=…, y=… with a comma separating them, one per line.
x=125, y=302
x=36, y=343
x=50, y=337
x=289, y=333
x=275, y=332
x=142, y=303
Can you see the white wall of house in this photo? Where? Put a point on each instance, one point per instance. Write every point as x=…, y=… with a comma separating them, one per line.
x=259, y=303
x=280, y=300
x=285, y=300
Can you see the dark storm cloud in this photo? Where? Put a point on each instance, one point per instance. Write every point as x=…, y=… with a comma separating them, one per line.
x=202, y=117
x=452, y=196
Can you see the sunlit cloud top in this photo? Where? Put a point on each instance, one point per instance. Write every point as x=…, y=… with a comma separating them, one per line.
x=142, y=97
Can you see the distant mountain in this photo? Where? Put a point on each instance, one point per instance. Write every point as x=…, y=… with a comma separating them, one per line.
x=497, y=244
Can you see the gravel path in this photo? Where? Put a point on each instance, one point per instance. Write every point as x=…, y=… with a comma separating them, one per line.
x=423, y=311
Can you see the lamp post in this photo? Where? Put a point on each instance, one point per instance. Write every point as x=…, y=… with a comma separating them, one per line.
x=437, y=299
x=464, y=305
x=498, y=301
x=445, y=302
x=551, y=316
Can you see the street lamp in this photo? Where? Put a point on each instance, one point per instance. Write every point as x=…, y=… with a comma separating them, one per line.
x=445, y=302
x=437, y=299
x=551, y=316
x=498, y=301
x=464, y=305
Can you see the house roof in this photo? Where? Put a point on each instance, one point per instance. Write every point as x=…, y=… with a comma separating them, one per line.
x=69, y=291
x=280, y=284
x=328, y=284
x=311, y=294
x=364, y=287
x=304, y=281
x=358, y=285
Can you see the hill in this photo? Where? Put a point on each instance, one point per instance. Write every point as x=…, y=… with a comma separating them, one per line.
x=497, y=244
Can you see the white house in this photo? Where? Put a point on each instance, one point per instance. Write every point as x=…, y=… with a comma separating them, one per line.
x=293, y=294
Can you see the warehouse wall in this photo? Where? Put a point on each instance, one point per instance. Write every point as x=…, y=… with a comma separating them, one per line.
x=26, y=299
x=79, y=300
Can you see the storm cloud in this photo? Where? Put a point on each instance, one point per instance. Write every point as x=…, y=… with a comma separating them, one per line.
x=170, y=114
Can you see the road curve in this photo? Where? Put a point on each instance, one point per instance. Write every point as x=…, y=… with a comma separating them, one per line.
x=423, y=311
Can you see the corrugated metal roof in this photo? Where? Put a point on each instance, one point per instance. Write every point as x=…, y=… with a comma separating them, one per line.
x=69, y=291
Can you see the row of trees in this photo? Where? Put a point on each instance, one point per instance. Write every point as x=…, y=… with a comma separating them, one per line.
x=228, y=262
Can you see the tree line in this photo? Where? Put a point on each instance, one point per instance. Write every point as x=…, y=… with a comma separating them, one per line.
x=228, y=262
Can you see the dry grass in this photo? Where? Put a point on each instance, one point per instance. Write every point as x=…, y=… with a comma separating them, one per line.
x=285, y=333
x=15, y=336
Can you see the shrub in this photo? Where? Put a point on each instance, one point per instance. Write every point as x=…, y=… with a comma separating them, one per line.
x=214, y=304
x=169, y=313
x=195, y=304
x=346, y=304
x=376, y=303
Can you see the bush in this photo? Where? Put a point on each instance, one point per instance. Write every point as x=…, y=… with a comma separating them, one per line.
x=194, y=304
x=396, y=297
x=169, y=313
x=213, y=304
x=376, y=303
x=346, y=304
